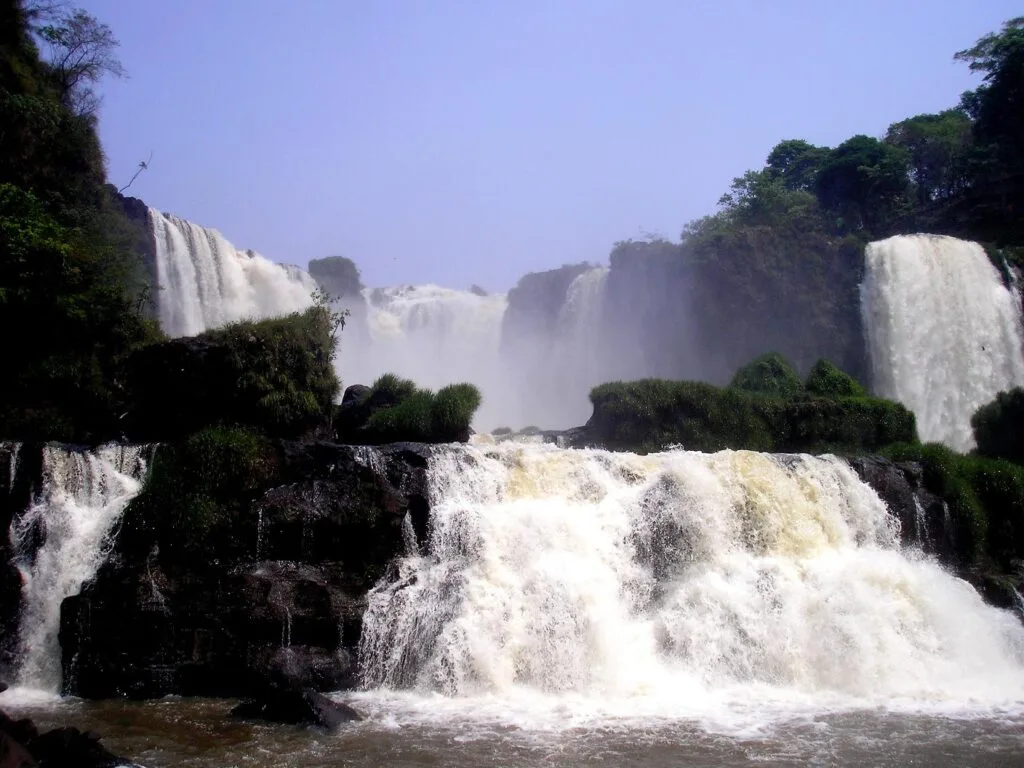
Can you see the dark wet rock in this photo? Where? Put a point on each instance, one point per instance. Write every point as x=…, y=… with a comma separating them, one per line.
x=924, y=519
x=476, y=290
x=297, y=707
x=283, y=604
x=71, y=748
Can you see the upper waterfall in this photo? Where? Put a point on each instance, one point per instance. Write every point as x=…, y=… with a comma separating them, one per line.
x=205, y=282
x=667, y=582
x=944, y=332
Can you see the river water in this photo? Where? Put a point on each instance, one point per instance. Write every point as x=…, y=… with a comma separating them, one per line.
x=435, y=731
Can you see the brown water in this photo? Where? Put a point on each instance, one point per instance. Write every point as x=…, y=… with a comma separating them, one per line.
x=199, y=733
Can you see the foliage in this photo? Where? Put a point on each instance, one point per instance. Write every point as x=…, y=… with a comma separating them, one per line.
x=864, y=184
x=501, y=431
x=195, y=492
x=273, y=375
x=653, y=414
x=999, y=427
x=937, y=146
x=826, y=380
x=70, y=268
x=769, y=374
x=399, y=411
x=985, y=498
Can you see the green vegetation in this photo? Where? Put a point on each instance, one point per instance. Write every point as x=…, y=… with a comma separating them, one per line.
x=273, y=375
x=999, y=427
x=653, y=414
x=338, y=276
x=71, y=277
x=769, y=374
x=395, y=409
x=826, y=380
x=985, y=498
x=196, y=492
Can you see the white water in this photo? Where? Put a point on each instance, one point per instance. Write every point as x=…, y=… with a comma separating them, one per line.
x=81, y=499
x=582, y=584
x=944, y=333
x=432, y=335
x=205, y=282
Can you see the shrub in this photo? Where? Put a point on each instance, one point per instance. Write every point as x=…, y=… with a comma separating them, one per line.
x=395, y=410
x=826, y=380
x=273, y=375
x=501, y=431
x=769, y=374
x=999, y=427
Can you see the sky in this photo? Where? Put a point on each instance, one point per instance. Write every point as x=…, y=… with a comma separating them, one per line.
x=472, y=141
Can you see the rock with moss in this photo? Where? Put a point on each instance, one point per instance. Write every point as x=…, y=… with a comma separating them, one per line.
x=273, y=375
x=243, y=563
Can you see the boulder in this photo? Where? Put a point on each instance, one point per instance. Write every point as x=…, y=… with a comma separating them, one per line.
x=281, y=605
x=297, y=707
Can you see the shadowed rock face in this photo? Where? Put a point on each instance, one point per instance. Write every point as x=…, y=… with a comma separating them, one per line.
x=284, y=605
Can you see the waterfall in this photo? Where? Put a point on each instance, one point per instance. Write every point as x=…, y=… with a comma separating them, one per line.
x=657, y=583
x=82, y=497
x=432, y=335
x=944, y=332
x=205, y=282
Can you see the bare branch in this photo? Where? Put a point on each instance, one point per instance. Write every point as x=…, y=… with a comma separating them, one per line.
x=143, y=165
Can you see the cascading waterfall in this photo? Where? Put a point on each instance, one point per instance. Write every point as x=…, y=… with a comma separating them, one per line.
x=205, y=282
x=667, y=583
x=434, y=336
x=82, y=497
x=944, y=332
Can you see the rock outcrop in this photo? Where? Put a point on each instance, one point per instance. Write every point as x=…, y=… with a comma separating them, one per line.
x=282, y=606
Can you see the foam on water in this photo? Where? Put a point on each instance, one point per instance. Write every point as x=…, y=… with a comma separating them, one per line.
x=563, y=587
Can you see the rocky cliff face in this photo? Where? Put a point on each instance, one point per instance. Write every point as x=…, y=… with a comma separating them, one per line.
x=284, y=606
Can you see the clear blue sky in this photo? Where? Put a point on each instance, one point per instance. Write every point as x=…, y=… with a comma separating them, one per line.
x=470, y=141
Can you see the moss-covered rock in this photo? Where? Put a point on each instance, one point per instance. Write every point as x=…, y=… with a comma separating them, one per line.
x=654, y=414
x=272, y=375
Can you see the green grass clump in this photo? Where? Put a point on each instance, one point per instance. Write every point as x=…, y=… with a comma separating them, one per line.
x=399, y=411
x=826, y=380
x=769, y=374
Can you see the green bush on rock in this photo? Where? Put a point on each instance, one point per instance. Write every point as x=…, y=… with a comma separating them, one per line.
x=769, y=374
x=999, y=427
x=275, y=375
x=653, y=414
x=395, y=410
x=826, y=380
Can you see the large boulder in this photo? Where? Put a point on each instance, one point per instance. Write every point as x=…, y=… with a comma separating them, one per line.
x=279, y=602
x=297, y=707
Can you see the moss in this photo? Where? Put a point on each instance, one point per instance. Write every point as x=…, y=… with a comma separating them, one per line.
x=769, y=374
x=196, y=491
x=826, y=380
x=653, y=414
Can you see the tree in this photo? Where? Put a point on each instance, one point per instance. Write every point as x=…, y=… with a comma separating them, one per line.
x=997, y=105
x=938, y=147
x=864, y=182
x=81, y=54
x=796, y=163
